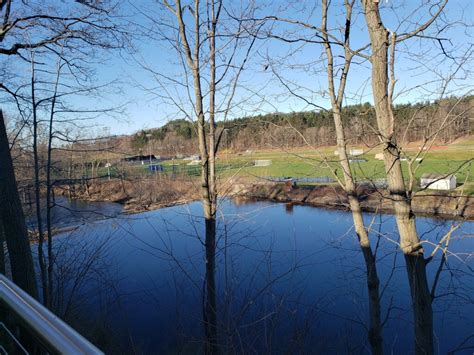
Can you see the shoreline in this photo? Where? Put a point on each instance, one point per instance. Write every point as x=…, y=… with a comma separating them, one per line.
x=330, y=196
x=440, y=206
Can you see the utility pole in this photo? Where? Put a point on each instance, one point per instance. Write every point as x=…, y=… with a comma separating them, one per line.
x=107, y=135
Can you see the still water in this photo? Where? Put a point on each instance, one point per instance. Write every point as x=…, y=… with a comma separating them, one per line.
x=288, y=278
x=68, y=213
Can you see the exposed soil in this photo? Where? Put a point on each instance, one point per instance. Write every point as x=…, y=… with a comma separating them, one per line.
x=333, y=196
x=145, y=195
x=135, y=195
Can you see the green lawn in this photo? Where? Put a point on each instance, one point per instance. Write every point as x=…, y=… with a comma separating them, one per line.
x=305, y=162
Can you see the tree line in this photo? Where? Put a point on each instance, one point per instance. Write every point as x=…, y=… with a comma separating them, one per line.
x=316, y=127
x=215, y=43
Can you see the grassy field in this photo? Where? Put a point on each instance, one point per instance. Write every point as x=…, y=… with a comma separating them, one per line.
x=304, y=162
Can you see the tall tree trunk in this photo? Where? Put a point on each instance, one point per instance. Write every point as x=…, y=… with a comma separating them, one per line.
x=375, y=328
x=212, y=108
x=405, y=218
x=211, y=305
x=49, y=192
x=208, y=180
x=14, y=226
x=39, y=219
x=2, y=249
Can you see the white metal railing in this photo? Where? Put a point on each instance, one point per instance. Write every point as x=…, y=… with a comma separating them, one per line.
x=53, y=332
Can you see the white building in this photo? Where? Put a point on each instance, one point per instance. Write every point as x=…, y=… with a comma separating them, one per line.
x=438, y=181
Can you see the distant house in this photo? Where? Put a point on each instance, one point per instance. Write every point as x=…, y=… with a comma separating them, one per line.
x=379, y=156
x=438, y=181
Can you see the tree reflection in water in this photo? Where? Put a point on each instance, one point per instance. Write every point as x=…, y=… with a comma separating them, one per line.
x=268, y=281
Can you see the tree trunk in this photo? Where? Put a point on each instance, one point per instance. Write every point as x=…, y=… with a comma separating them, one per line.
x=11, y=213
x=375, y=328
x=50, y=193
x=2, y=249
x=212, y=107
x=208, y=180
x=39, y=220
x=405, y=218
x=210, y=307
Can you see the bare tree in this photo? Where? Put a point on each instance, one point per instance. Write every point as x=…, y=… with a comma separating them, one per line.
x=337, y=73
x=382, y=60
x=211, y=66
x=59, y=32
x=400, y=194
x=375, y=332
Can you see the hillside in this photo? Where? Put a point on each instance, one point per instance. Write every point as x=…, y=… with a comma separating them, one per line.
x=449, y=120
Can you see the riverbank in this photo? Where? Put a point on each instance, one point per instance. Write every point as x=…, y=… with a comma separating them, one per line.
x=372, y=199
x=145, y=195
x=136, y=195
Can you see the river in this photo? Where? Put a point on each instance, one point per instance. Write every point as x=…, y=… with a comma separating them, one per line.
x=289, y=279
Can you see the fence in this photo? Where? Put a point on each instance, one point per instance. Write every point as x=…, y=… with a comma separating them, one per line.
x=314, y=179
x=378, y=183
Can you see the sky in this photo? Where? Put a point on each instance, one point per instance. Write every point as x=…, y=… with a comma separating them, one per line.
x=147, y=97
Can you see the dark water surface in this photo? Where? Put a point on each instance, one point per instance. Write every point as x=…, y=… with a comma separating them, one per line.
x=290, y=279
x=67, y=213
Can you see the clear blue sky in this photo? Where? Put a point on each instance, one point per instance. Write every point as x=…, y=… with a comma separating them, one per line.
x=419, y=69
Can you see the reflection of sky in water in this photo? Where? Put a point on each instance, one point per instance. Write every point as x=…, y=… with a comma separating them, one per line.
x=290, y=279
x=67, y=212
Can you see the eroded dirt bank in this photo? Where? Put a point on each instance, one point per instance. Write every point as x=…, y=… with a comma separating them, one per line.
x=144, y=195
x=135, y=195
x=332, y=196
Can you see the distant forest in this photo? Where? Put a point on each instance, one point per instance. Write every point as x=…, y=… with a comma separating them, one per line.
x=415, y=122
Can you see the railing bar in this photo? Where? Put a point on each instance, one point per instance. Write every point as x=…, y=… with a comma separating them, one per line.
x=13, y=337
x=49, y=327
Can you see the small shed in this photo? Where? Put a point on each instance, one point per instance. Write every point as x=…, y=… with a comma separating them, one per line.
x=438, y=181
